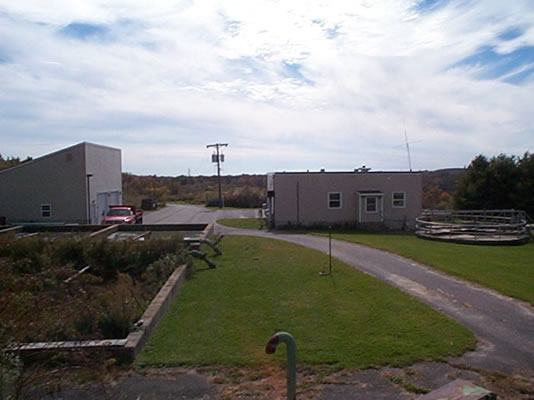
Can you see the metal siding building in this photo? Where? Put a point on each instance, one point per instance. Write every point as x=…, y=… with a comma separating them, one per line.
x=393, y=199
x=57, y=187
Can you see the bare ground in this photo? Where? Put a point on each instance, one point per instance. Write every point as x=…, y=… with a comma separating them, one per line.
x=269, y=382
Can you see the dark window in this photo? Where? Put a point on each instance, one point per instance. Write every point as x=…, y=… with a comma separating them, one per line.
x=46, y=210
x=399, y=199
x=334, y=200
x=370, y=204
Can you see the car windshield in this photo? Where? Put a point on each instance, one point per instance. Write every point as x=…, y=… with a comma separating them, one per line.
x=119, y=213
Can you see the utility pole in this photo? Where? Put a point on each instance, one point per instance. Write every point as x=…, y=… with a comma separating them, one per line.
x=218, y=157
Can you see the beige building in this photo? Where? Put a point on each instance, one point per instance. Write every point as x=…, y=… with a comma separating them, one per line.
x=390, y=199
x=73, y=185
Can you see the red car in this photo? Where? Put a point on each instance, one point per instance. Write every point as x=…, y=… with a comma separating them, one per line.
x=123, y=215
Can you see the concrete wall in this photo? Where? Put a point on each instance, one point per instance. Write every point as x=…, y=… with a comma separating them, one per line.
x=302, y=198
x=58, y=179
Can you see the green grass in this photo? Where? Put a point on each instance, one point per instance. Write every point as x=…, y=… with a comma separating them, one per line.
x=244, y=223
x=226, y=315
x=506, y=269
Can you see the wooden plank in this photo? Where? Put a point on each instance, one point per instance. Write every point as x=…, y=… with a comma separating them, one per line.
x=13, y=229
x=108, y=230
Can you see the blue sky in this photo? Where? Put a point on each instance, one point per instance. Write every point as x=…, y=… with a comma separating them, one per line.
x=290, y=85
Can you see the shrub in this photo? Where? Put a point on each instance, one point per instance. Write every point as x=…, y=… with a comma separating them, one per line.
x=122, y=305
x=43, y=297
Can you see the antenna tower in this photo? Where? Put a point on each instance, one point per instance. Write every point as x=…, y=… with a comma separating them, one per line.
x=407, y=147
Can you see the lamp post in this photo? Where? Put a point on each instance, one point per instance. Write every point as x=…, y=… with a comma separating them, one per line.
x=88, y=177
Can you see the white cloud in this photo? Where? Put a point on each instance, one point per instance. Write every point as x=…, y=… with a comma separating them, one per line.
x=289, y=84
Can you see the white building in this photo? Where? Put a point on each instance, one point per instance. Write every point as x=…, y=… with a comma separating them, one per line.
x=360, y=197
x=73, y=185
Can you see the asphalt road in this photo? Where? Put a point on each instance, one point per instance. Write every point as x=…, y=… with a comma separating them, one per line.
x=504, y=326
x=191, y=214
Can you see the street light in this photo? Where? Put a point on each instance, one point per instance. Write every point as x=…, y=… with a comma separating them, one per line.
x=88, y=177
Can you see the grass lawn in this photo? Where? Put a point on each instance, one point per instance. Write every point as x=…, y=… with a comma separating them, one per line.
x=225, y=316
x=244, y=223
x=507, y=269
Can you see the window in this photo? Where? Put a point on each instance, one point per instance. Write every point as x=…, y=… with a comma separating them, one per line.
x=370, y=204
x=46, y=210
x=398, y=199
x=334, y=200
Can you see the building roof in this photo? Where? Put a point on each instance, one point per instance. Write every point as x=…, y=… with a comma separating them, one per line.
x=356, y=171
x=66, y=149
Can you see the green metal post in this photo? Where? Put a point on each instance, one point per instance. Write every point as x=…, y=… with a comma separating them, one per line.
x=291, y=349
x=329, y=249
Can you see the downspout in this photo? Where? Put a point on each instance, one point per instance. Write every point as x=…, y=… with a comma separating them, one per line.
x=88, y=179
x=382, y=209
x=298, y=203
x=359, y=208
x=291, y=349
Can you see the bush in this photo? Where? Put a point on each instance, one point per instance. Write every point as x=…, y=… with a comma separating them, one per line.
x=43, y=297
x=122, y=305
x=246, y=197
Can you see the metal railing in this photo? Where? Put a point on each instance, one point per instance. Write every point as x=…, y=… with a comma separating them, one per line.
x=474, y=225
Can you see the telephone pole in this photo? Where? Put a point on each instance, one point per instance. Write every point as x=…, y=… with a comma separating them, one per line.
x=218, y=158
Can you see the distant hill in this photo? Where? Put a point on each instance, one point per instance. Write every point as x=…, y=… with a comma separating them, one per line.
x=438, y=187
x=238, y=190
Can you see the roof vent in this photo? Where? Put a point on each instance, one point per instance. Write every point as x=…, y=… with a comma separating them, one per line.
x=322, y=169
x=363, y=168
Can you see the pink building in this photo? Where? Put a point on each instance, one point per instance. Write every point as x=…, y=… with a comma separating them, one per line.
x=390, y=199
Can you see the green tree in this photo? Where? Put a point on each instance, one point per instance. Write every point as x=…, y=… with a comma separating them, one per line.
x=526, y=184
x=11, y=161
x=504, y=182
x=472, y=189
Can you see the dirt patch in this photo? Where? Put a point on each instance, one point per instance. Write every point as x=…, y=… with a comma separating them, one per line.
x=269, y=383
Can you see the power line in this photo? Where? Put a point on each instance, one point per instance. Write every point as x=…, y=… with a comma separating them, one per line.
x=218, y=158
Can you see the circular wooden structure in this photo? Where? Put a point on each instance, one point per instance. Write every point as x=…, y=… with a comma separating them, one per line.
x=485, y=227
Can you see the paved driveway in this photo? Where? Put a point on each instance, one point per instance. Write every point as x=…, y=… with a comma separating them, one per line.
x=191, y=214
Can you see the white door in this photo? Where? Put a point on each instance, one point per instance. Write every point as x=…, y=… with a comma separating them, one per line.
x=115, y=198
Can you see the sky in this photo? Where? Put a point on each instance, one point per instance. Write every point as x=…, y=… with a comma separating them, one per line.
x=289, y=85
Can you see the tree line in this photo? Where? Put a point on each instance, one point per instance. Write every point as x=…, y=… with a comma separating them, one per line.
x=245, y=191
x=11, y=161
x=502, y=182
